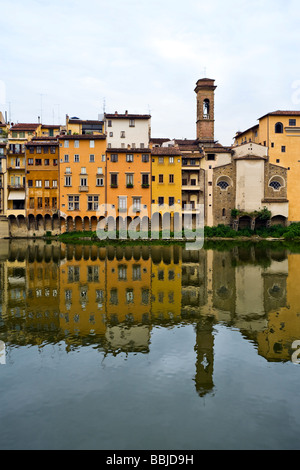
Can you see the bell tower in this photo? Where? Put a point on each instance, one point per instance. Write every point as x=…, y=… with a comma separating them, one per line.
x=205, y=90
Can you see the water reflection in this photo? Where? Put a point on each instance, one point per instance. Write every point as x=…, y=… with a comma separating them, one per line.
x=112, y=297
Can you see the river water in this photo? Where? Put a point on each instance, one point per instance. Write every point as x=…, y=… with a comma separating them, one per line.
x=149, y=347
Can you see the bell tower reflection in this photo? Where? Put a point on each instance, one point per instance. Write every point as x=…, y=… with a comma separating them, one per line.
x=205, y=356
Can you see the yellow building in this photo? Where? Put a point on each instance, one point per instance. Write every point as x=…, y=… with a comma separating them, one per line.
x=280, y=132
x=166, y=194
x=75, y=126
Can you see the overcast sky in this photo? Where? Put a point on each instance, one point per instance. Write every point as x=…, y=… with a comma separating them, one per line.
x=73, y=57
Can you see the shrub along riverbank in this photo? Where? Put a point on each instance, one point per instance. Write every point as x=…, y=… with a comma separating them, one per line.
x=275, y=232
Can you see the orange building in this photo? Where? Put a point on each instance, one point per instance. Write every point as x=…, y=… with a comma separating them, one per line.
x=42, y=192
x=82, y=180
x=129, y=182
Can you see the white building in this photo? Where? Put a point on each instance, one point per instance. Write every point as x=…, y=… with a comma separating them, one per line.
x=127, y=130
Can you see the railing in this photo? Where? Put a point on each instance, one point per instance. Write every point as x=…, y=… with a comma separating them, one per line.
x=16, y=186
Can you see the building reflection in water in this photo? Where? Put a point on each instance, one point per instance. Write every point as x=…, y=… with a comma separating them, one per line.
x=112, y=297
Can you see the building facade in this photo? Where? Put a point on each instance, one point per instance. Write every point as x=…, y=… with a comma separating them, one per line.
x=82, y=165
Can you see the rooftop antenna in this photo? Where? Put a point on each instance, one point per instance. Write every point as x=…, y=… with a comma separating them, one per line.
x=104, y=103
x=204, y=72
x=41, y=95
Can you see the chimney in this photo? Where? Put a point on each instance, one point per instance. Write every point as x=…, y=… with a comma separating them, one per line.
x=116, y=113
x=126, y=112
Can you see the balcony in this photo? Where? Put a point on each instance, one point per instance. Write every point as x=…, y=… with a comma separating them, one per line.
x=16, y=186
x=190, y=185
x=83, y=189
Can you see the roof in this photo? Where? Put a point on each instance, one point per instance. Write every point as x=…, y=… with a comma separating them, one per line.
x=131, y=150
x=84, y=121
x=127, y=116
x=40, y=142
x=239, y=133
x=24, y=127
x=50, y=126
x=282, y=113
x=159, y=140
x=82, y=137
x=165, y=151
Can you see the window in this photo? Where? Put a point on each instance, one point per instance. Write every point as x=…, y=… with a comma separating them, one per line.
x=54, y=184
x=129, y=180
x=92, y=158
x=38, y=183
x=131, y=122
x=66, y=144
x=73, y=203
x=114, y=157
x=161, y=201
x=278, y=128
x=272, y=144
x=160, y=178
x=92, y=144
x=223, y=212
x=129, y=296
x=66, y=159
x=30, y=183
x=145, y=158
x=283, y=148
x=129, y=158
x=171, y=178
x=31, y=149
x=99, y=181
x=83, y=170
x=99, y=170
x=52, y=149
x=160, y=159
x=76, y=158
x=38, y=162
x=210, y=156
x=292, y=122
x=111, y=134
x=68, y=180
x=223, y=184
x=122, y=134
x=109, y=123
x=136, y=272
x=122, y=204
x=171, y=201
x=76, y=144
x=103, y=158
x=114, y=180
x=46, y=162
x=46, y=149
x=39, y=149
x=136, y=202
x=30, y=161
x=55, y=162
x=122, y=273
x=47, y=202
x=31, y=203
x=40, y=202
x=54, y=203
x=145, y=181
x=83, y=182
x=142, y=145
x=93, y=203
x=47, y=184
x=171, y=159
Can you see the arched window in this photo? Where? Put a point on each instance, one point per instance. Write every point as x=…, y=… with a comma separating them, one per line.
x=223, y=184
x=275, y=185
x=206, y=108
x=276, y=182
x=278, y=128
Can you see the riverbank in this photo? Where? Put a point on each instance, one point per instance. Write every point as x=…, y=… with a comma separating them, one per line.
x=220, y=233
